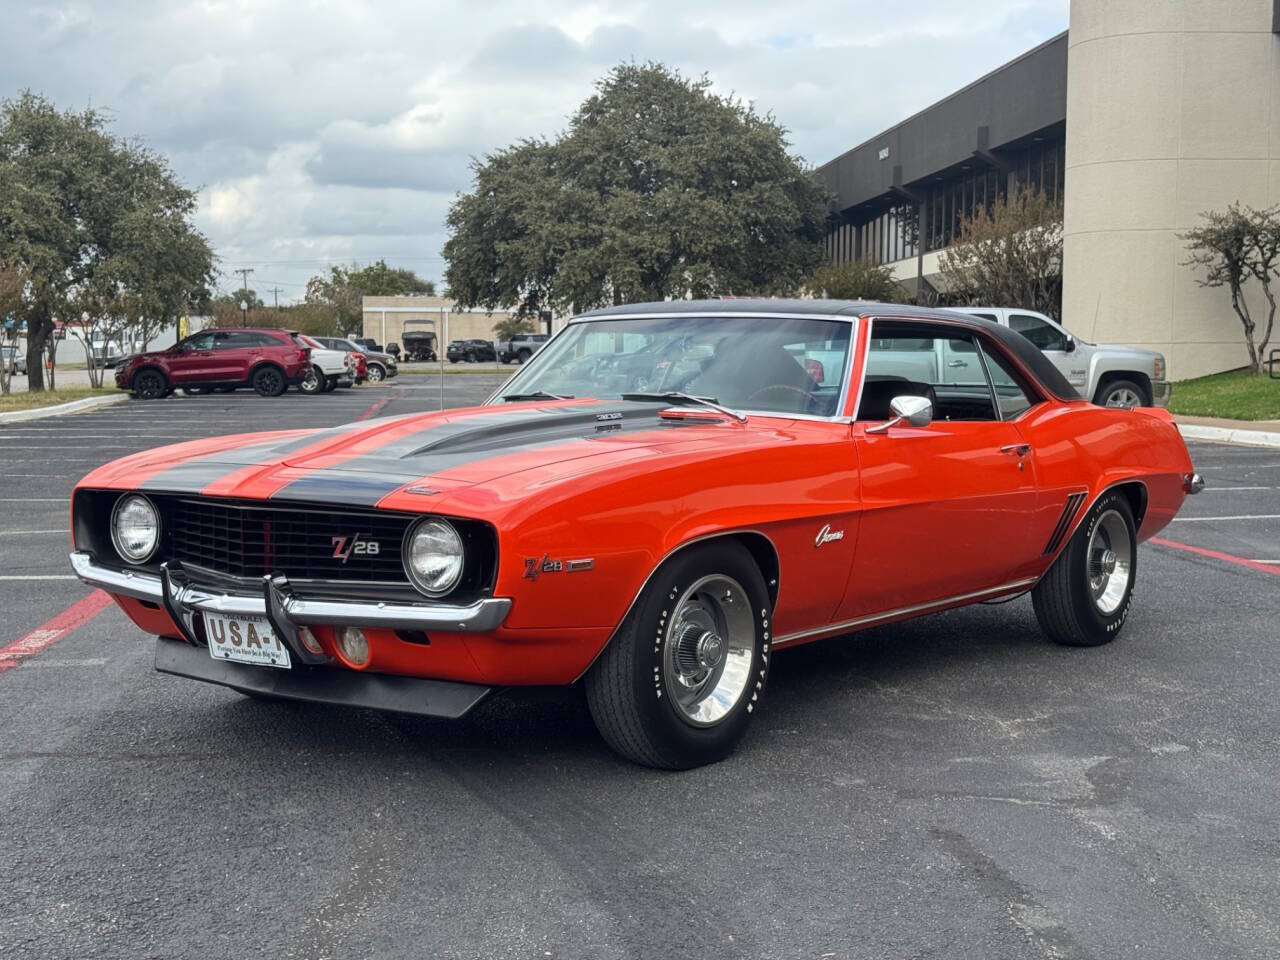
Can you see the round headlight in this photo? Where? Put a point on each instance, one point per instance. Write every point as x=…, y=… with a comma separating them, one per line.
x=433, y=556
x=135, y=528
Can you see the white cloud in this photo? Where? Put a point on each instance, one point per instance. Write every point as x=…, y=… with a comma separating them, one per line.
x=320, y=129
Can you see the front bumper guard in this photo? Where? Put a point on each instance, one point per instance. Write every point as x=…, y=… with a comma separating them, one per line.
x=184, y=599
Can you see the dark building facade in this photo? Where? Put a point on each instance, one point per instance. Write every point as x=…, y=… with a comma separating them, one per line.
x=903, y=194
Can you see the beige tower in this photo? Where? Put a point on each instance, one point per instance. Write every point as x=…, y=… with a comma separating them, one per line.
x=1173, y=107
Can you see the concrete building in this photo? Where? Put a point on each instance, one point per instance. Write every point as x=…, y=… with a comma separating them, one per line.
x=385, y=319
x=1142, y=115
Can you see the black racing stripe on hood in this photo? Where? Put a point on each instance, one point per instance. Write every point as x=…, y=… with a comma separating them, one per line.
x=192, y=476
x=364, y=481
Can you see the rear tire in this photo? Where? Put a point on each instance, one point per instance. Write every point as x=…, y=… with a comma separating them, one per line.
x=523, y=356
x=677, y=685
x=330, y=384
x=150, y=385
x=1084, y=599
x=269, y=381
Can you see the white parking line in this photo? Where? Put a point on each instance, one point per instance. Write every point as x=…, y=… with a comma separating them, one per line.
x=52, y=576
x=1242, y=516
x=1208, y=489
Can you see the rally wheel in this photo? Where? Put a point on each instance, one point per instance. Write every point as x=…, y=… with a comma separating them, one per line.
x=678, y=684
x=150, y=385
x=1084, y=599
x=269, y=382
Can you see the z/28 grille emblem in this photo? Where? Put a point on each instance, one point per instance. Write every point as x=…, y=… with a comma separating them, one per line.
x=346, y=547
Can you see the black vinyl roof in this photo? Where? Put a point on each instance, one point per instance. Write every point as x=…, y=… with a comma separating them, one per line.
x=1015, y=343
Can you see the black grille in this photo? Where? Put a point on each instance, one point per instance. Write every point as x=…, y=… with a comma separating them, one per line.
x=253, y=540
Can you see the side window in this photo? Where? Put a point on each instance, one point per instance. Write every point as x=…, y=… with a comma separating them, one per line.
x=1044, y=335
x=201, y=341
x=984, y=316
x=1012, y=393
x=905, y=359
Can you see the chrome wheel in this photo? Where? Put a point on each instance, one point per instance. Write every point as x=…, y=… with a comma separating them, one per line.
x=375, y=373
x=1123, y=397
x=1110, y=562
x=708, y=646
x=311, y=383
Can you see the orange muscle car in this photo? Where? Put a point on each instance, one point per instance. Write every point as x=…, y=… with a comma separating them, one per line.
x=662, y=498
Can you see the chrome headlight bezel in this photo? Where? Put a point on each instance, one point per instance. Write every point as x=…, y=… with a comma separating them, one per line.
x=447, y=531
x=116, y=510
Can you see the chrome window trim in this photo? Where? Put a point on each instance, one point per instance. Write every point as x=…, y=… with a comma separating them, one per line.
x=841, y=400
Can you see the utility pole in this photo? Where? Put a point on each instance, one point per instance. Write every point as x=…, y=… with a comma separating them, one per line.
x=244, y=272
x=275, y=292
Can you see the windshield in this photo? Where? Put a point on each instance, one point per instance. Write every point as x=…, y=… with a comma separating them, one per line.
x=764, y=364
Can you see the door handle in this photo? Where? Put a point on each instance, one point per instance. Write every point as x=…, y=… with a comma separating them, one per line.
x=1021, y=449
x=958, y=363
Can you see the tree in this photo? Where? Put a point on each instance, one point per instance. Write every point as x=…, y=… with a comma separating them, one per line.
x=1232, y=248
x=343, y=291
x=1009, y=257
x=100, y=224
x=659, y=188
x=510, y=327
x=13, y=282
x=856, y=280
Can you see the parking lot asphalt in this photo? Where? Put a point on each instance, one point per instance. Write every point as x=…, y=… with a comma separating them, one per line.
x=950, y=787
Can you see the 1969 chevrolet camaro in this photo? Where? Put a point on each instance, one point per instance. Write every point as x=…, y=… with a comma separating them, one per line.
x=665, y=496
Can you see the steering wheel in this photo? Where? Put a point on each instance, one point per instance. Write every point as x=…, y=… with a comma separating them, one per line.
x=785, y=387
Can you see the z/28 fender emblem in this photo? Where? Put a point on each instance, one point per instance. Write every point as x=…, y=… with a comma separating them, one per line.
x=345, y=547
x=533, y=566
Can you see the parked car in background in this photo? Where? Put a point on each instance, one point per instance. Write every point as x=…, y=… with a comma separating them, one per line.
x=601, y=520
x=267, y=359
x=14, y=359
x=521, y=348
x=1108, y=374
x=393, y=348
x=419, y=346
x=470, y=351
x=328, y=368
x=367, y=343
x=381, y=365
x=106, y=354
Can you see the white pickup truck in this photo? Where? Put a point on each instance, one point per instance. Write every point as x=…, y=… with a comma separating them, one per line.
x=1108, y=374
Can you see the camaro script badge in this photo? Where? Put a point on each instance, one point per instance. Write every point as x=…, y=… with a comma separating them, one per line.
x=344, y=547
x=826, y=535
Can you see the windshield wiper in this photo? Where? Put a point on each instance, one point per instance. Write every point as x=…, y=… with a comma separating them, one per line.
x=535, y=395
x=685, y=399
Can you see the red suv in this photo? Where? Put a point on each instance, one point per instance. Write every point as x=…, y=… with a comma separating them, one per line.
x=267, y=360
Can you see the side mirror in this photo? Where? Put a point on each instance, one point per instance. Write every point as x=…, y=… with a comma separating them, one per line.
x=1070, y=345
x=917, y=411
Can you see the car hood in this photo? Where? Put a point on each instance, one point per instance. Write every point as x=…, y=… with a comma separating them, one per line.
x=363, y=463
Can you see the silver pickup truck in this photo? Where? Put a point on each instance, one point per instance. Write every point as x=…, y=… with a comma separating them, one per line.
x=1108, y=374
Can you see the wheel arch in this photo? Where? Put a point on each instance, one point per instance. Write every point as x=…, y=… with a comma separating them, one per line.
x=762, y=550
x=1110, y=376
x=1135, y=492
x=150, y=368
x=261, y=364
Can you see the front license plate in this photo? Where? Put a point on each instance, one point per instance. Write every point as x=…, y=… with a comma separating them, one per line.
x=245, y=640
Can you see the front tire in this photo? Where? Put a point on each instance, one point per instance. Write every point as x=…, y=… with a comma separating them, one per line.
x=1123, y=394
x=269, y=382
x=677, y=685
x=1084, y=599
x=376, y=373
x=150, y=385
x=313, y=382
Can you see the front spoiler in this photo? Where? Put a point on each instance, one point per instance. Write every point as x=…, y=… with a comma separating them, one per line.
x=329, y=685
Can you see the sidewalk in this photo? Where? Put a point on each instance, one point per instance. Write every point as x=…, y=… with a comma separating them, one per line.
x=1252, y=433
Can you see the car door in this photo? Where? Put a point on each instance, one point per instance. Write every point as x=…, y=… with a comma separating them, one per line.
x=946, y=509
x=191, y=360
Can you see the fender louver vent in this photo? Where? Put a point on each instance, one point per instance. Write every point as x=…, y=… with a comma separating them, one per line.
x=1064, y=522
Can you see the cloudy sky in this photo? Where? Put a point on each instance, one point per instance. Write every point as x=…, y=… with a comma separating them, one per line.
x=322, y=132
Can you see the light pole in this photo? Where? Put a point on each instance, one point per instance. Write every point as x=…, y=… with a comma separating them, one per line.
x=244, y=311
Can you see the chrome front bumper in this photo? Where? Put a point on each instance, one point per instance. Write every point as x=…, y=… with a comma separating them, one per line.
x=184, y=599
x=1161, y=391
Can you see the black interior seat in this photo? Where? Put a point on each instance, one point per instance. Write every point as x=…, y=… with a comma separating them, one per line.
x=878, y=393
